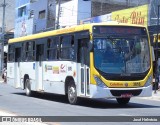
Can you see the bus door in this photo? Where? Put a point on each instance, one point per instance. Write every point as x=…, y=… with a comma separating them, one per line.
x=39, y=66
x=17, y=75
x=83, y=57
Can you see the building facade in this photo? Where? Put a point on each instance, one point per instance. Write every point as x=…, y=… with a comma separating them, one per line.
x=153, y=17
x=34, y=16
x=135, y=15
x=71, y=12
x=44, y=15
x=40, y=15
x=23, y=19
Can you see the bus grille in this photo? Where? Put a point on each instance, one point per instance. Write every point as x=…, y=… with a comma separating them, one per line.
x=120, y=92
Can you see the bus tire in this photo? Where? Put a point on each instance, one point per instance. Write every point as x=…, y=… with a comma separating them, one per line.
x=123, y=101
x=28, y=87
x=72, y=93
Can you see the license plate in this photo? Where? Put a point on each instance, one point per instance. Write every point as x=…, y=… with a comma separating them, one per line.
x=127, y=95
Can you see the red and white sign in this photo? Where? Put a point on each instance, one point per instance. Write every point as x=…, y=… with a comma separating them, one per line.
x=63, y=68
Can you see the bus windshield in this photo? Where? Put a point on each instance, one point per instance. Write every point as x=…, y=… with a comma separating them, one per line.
x=124, y=52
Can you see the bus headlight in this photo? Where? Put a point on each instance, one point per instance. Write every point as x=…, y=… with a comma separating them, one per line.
x=149, y=81
x=99, y=82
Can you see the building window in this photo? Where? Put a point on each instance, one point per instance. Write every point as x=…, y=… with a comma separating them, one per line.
x=31, y=13
x=42, y=14
x=22, y=11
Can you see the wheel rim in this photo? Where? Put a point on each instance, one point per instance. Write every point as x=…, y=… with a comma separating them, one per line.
x=72, y=94
x=27, y=87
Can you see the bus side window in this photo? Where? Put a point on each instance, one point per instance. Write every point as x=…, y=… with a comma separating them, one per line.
x=17, y=54
x=52, y=49
x=33, y=51
x=11, y=53
x=55, y=45
x=49, y=50
x=23, y=51
x=83, y=51
x=28, y=51
x=72, y=51
x=67, y=47
x=61, y=47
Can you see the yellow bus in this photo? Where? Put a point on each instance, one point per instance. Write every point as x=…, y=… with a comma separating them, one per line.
x=104, y=60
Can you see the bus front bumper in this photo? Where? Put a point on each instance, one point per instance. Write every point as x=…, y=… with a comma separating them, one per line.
x=99, y=92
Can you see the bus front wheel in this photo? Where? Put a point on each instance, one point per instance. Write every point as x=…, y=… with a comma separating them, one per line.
x=123, y=101
x=72, y=93
x=28, y=87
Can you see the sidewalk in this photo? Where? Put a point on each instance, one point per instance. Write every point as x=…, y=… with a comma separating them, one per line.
x=155, y=96
x=1, y=80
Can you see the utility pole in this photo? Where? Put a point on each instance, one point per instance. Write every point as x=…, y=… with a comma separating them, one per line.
x=58, y=14
x=3, y=33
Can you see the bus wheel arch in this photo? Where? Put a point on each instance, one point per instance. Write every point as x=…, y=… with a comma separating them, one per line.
x=68, y=79
x=27, y=85
x=71, y=91
x=26, y=76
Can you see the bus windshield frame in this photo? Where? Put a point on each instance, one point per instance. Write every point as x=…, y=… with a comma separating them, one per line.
x=119, y=51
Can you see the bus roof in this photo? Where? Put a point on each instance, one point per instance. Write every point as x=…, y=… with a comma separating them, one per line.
x=68, y=30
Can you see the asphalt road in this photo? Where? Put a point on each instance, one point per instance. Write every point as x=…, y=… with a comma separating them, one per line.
x=15, y=101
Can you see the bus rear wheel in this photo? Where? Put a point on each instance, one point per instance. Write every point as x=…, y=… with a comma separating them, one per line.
x=72, y=93
x=28, y=87
x=123, y=101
